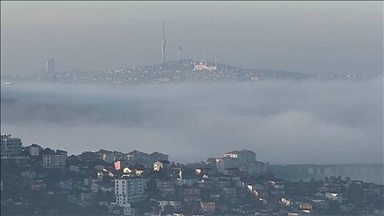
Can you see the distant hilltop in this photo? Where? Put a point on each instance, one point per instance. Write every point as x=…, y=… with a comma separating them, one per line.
x=179, y=71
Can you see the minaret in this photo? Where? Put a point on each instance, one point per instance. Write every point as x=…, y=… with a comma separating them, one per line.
x=163, y=43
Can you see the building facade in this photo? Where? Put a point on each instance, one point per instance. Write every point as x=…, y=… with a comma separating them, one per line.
x=224, y=163
x=34, y=149
x=50, y=65
x=55, y=160
x=129, y=189
x=236, y=159
x=243, y=156
x=165, y=186
x=161, y=165
x=10, y=146
x=204, y=65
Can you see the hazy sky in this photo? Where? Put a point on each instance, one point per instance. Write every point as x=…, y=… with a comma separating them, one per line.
x=307, y=37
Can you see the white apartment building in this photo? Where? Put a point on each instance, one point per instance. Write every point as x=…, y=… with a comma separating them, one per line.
x=56, y=160
x=129, y=189
x=203, y=65
x=10, y=146
x=34, y=149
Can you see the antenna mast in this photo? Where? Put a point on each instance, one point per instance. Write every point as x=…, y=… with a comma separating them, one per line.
x=163, y=43
x=215, y=62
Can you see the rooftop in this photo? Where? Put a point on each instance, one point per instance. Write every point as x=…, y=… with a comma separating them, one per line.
x=157, y=154
x=240, y=151
x=135, y=152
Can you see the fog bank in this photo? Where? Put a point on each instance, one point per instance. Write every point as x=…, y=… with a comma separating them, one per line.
x=283, y=121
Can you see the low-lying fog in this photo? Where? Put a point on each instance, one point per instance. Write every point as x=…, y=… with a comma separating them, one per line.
x=283, y=121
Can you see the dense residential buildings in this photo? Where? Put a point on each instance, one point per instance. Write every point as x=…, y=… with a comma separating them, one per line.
x=173, y=71
x=10, y=146
x=88, y=184
x=186, y=70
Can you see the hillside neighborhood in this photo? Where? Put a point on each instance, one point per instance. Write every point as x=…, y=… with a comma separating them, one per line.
x=180, y=71
x=42, y=181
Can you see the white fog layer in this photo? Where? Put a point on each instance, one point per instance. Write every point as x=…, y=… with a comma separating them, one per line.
x=283, y=121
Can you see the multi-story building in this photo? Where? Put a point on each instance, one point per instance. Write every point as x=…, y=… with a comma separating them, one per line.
x=147, y=160
x=10, y=146
x=225, y=163
x=189, y=181
x=243, y=156
x=110, y=156
x=105, y=155
x=130, y=189
x=34, y=149
x=50, y=66
x=254, y=168
x=235, y=159
x=54, y=160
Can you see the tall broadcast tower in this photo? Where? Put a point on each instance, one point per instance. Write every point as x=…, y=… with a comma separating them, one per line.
x=163, y=42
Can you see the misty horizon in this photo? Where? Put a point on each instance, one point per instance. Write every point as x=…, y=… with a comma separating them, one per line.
x=257, y=108
x=283, y=121
x=272, y=118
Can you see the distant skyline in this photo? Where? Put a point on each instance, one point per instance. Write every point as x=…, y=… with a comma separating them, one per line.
x=309, y=37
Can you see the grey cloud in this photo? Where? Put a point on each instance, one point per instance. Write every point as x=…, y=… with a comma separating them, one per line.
x=308, y=37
